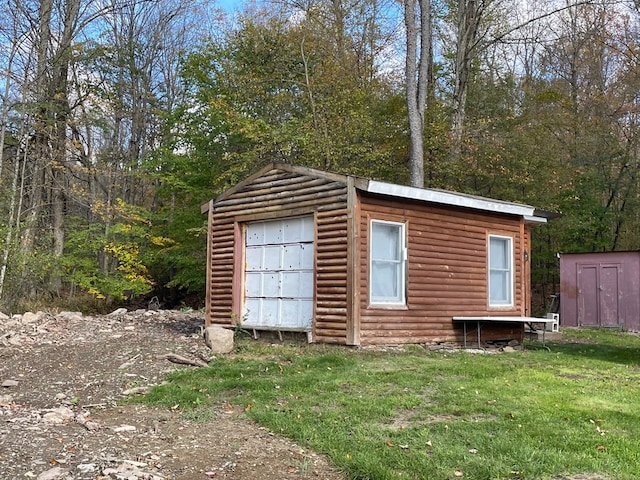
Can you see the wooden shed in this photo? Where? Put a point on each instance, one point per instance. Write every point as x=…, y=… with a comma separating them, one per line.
x=356, y=261
x=600, y=290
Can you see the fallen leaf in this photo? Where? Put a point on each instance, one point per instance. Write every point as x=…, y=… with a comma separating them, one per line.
x=473, y=450
x=389, y=443
x=404, y=447
x=429, y=443
x=458, y=473
x=601, y=447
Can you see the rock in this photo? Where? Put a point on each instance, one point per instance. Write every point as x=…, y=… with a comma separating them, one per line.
x=132, y=470
x=58, y=416
x=10, y=383
x=218, y=339
x=83, y=419
x=508, y=349
x=87, y=467
x=124, y=428
x=136, y=391
x=6, y=400
x=4, y=317
x=30, y=317
x=69, y=316
x=118, y=312
x=52, y=474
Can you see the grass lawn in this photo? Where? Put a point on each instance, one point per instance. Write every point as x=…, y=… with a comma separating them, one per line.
x=416, y=414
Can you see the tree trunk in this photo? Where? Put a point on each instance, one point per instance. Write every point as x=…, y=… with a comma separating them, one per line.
x=417, y=76
x=470, y=14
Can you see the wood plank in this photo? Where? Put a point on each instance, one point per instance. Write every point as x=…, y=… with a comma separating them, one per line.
x=327, y=312
x=273, y=195
x=329, y=231
x=266, y=188
x=332, y=290
x=284, y=210
x=291, y=198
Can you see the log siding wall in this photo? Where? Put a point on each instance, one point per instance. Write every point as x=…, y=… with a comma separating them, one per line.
x=447, y=258
x=447, y=271
x=281, y=194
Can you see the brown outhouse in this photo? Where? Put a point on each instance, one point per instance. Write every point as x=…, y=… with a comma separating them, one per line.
x=600, y=290
x=356, y=261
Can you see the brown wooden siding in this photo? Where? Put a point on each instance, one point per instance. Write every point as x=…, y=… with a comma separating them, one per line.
x=281, y=194
x=331, y=276
x=447, y=272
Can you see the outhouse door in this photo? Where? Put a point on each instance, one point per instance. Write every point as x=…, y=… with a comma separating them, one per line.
x=279, y=274
x=598, y=295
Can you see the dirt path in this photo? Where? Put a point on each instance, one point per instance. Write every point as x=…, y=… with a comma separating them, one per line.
x=63, y=378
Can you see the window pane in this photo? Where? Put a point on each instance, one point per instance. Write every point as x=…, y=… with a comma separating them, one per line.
x=498, y=255
x=500, y=271
x=498, y=293
x=385, y=241
x=387, y=265
x=384, y=280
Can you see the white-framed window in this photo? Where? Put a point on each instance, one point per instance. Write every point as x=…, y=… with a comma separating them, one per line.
x=387, y=277
x=500, y=271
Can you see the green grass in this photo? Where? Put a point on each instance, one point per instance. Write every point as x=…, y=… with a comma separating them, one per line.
x=415, y=414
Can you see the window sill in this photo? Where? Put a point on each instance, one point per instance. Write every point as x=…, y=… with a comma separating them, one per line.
x=387, y=306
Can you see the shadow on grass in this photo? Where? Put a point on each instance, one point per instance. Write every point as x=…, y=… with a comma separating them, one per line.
x=600, y=344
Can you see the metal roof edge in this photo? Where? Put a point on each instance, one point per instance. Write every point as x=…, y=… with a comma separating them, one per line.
x=444, y=197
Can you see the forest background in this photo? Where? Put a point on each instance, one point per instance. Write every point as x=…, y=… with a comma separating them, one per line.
x=120, y=117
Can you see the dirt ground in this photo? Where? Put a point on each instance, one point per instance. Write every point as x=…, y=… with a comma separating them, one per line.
x=61, y=413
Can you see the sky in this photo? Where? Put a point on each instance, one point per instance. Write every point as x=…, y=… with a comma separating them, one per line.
x=230, y=5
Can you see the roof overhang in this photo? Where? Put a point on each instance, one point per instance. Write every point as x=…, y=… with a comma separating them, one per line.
x=442, y=197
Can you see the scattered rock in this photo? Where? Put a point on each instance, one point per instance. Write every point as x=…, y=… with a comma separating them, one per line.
x=69, y=316
x=72, y=361
x=10, y=383
x=131, y=470
x=4, y=317
x=218, y=339
x=87, y=467
x=52, y=474
x=58, y=416
x=136, y=391
x=118, y=312
x=124, y=428
x=83, y=419
x=30, y=317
